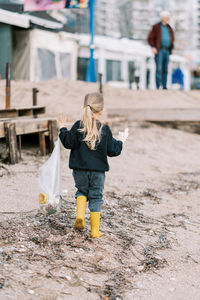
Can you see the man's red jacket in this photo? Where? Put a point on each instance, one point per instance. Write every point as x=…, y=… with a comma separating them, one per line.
x=154, y=38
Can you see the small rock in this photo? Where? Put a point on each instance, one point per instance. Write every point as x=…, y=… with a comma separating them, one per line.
x=2, y=283
x=31, y=292
x=64, y=192
x=158, y=258
x=140, y=268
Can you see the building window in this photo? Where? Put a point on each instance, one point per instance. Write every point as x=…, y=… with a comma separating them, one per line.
x=82, y=68
x=131, y=71
x=65, y=65
x=113, y=70
x=46, y=65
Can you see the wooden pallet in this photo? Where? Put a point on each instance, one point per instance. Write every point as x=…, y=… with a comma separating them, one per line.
x=21, y=112
x=11, y=128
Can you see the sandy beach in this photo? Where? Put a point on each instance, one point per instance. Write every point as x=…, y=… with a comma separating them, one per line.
x=150, y=247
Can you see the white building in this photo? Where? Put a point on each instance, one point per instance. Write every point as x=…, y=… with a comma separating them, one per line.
x=142, y=14
x=42, y=54
x=106, y=18
x=116, y=58
x=36, y=54
x=197, y=38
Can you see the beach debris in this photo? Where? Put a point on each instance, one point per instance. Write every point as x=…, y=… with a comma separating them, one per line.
x=103, y=297
x=50, y=182
x=31, y=292
x=132, y=244
x=3, y=171
x=140, y=268
x=2, y=283
x=64, y=192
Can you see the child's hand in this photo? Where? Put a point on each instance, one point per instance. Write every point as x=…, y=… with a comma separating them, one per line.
x=123, y=135
x=62, y=121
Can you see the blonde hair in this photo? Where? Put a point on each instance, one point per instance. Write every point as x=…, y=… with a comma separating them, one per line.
x=93, y=104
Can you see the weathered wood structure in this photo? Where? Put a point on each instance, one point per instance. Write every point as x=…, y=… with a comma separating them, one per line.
x=21, y=112
x=11, y=128
x=15, y=122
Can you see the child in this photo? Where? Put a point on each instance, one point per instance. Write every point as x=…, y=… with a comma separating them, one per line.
x=90, y=142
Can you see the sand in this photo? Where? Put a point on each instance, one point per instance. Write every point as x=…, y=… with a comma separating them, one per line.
x=150, y=219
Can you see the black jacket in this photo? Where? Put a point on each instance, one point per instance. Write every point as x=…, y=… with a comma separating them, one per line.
x=83, y=158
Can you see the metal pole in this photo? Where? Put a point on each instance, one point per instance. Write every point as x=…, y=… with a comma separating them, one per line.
x=8, y=85
x=91, y=75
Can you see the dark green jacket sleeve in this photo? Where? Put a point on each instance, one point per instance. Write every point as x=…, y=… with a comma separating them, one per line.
x=114, y=147
x=69, y=138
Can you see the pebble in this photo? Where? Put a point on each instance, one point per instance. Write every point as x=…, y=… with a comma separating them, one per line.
x=139, y=285
x=64, y=192
x=140, y=268
x=30, y=292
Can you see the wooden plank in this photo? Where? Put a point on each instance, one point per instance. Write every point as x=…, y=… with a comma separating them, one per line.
x=31, y=126
x=42, y=143
x=20, y=146
x=31, y=111
x=30, y=107
x=163, y=115
x=11, y=142
x=26, y=112
x=2, y=130
x=20, y=112
x=53, y=133
x=27, y=126
x=8, y=113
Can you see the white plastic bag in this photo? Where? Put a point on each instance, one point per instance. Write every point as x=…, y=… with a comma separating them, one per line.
x=123, y=135
x=50, y=181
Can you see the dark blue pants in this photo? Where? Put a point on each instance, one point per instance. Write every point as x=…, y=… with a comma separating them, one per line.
x=90, y=184
x=162, y=61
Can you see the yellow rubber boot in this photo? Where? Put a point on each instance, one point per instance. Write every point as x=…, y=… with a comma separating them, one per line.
x=95, y=223
x=80, y=212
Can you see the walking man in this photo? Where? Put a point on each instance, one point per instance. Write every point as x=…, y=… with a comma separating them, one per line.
x=161, y=39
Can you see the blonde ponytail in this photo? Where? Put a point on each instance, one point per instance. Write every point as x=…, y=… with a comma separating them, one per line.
x=90, y=126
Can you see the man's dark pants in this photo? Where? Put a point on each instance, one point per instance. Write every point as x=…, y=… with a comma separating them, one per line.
x=162, y=61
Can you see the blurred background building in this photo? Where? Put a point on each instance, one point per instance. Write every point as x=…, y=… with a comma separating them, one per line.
x=121, y=27
x=134, y=18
